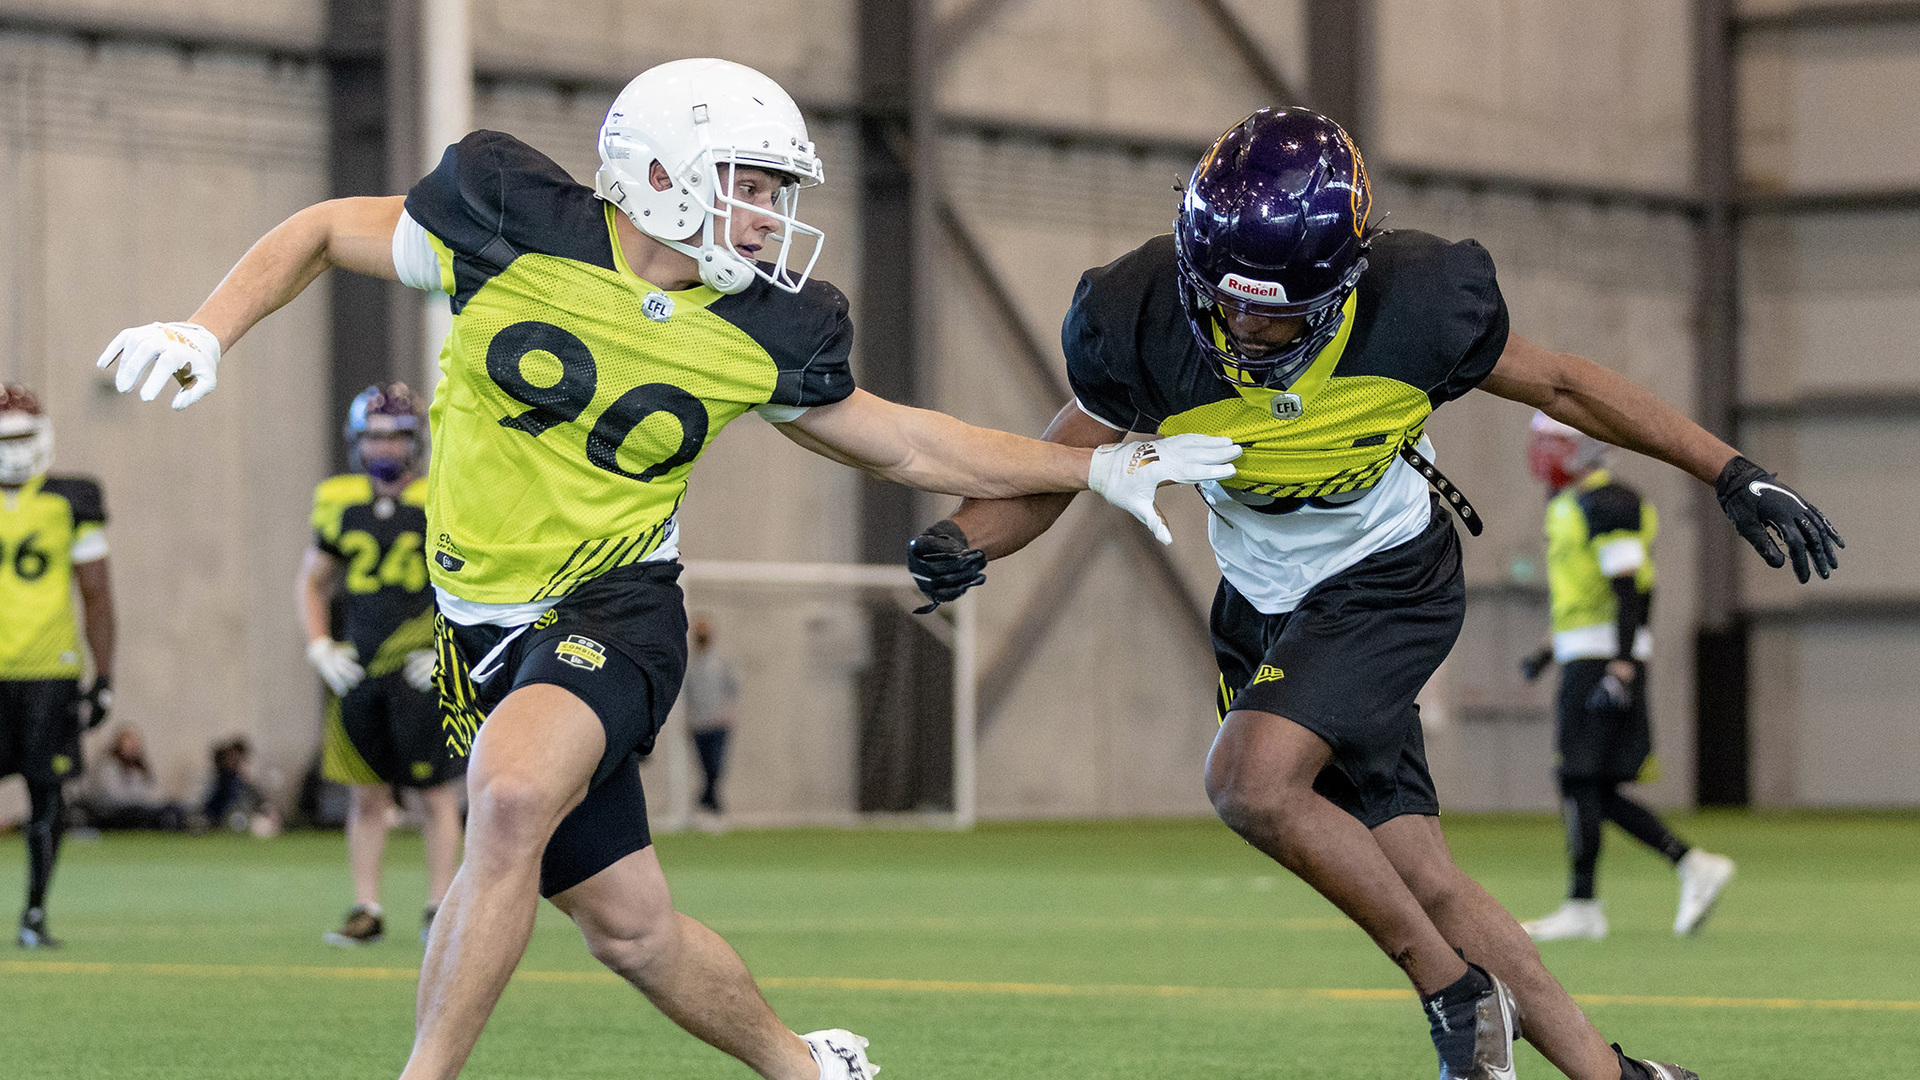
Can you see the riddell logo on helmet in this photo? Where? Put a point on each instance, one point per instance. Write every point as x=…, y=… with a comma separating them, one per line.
x=1249, y=289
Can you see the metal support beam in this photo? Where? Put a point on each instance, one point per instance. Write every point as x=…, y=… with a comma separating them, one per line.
x=1336, y=59
x=1829, y=17
x=1720, y=668
x=957, y=29
x=895, y=152
x=1040, y=613
x=360, y=160
x=1265, y=74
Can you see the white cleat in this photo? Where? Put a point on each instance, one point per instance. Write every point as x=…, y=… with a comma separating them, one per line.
x=1574, y=919
x=1702, y=876
x=842, y=1055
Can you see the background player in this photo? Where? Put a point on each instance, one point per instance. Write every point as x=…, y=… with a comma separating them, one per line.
x=52, y=535
x=713, y=693
x=601, y=338
x=1272, y=315
x=383, y=720
x=1600, y=574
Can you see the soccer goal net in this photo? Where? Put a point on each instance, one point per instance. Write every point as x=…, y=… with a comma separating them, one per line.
x=839, y=706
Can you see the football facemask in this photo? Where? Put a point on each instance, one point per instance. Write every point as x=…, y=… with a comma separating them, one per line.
x=26, y=437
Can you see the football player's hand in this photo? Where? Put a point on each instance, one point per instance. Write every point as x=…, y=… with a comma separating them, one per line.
x=184, y=351
x=943, y=565
x=419, y=669
x=1612, y=694
x=338, y=664
x=1535, y=662
x=1127, y=474
x=1765, y=510
x=94, y=703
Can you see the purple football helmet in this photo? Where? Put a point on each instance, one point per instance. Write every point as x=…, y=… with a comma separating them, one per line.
x=1273, y=223
x=377, y=412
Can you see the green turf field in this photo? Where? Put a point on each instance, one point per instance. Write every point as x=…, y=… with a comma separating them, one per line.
x=1132, y=950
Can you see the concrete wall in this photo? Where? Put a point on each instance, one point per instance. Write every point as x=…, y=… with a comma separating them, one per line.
x=1832, y=305
x=130, y=179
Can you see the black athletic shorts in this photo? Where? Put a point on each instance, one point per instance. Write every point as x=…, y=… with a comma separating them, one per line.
x=618, y=643
x=1347, y=664
x=386, y=732
x=39, y=730
x=1601, y=744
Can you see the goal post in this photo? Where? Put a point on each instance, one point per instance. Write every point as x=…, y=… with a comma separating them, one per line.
x=799, y=637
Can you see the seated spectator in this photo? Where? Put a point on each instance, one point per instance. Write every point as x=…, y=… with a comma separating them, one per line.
x=232, y=798
x=120, y=792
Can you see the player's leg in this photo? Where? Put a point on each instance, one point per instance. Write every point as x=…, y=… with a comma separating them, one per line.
x=1474, y=922
x=440, y=833
x=531, y=763
x=49, y=756
x=712, y=748
x=42, y=833
x=1582, y=808
x=1260, y=776
x=369, y=809
x=356, y=752
x=600, y=868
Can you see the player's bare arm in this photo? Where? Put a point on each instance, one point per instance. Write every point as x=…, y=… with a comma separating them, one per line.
x=353, y=234
x=935, y=452
x=1000, y=527
x=1606, y=405
x=96, y=603
x=1610, y=407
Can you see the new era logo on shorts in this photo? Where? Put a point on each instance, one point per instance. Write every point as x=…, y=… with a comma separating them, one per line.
x=581, y=652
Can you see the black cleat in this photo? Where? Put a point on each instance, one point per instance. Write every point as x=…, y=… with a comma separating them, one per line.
x=33, y=931
x=1651, y=1070
x=1475, y=1036
x=362, y=927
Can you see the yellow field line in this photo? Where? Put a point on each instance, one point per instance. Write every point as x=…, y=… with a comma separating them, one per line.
x=934, y=986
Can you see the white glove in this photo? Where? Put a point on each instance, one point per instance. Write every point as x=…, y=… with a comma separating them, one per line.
x=338, y=663
x=1127, y=473
x=166, y=347
x=419, y=669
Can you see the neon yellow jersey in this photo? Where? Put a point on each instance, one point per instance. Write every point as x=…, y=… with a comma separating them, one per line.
x=1597, y=530
x=46, y=526
x=574, y=396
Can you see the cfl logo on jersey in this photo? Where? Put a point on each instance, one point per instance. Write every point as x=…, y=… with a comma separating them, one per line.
x=657, y=306
x=581, y=652
x=1286, y=406
x=448, y=557
x=1271, y=292
x=1268, y=673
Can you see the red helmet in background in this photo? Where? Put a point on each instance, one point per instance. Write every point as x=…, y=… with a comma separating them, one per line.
x=26, y=436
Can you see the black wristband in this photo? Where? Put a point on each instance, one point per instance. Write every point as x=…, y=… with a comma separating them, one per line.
x=1737, y=474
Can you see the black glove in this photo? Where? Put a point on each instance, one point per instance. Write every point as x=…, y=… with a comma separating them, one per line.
x=1764, y=509
x=94, y=703
x=1611, y=694
x=943, y=565
x=1532, y=664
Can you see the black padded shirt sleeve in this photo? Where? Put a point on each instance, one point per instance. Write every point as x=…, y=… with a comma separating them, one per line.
x=493, y=198
x=83, y=497
x=1088, y=372
x=1611, y=509
x=809, y=335
x=1473, y=320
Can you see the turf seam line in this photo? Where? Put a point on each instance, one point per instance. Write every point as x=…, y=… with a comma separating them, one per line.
x=936, y=986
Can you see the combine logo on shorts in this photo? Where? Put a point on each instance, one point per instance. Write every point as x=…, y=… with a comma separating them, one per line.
x=581, y=652
x=1268, y=673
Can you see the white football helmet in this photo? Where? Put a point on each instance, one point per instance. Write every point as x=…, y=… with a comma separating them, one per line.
x=695, y=117
x=26, y=436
